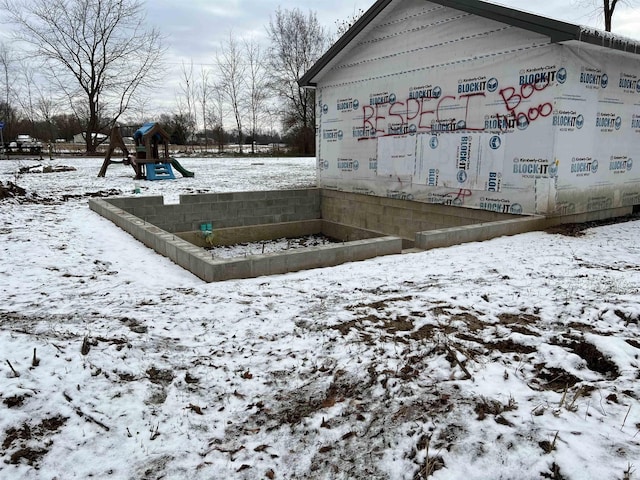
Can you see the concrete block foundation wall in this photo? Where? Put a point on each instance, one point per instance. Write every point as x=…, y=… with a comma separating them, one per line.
x=402, y=218
x=225, y=210
x=369, y=226
x=136, y=215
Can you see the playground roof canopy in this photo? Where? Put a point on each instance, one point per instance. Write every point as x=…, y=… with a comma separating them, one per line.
x=149, y=129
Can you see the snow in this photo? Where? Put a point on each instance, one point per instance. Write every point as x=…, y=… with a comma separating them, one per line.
x=515, y=358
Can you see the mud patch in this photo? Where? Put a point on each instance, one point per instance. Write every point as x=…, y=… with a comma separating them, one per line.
x=577, y=229
x=160, y=376
x=11, y=190
x=509, y=346
x=596, y=361
x=29, y=441
x=46, y=169
x=518, y=319
x=555, y=379
x=633, y=343
x=15, y=401
x=485, y=407
x=134, y=325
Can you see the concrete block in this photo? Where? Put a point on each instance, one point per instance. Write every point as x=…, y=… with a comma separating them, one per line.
x=234, y=268
x=326, y=256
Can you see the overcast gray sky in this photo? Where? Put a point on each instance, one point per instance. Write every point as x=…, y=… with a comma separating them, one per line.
x=195, y=28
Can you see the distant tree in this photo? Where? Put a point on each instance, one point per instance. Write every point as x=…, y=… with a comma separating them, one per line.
x=297, y=42
x=178, y=127
x=204, y=94
x=187, y=107
x=98, y=50
x=66, y=126
x=47, y=107
x=256, y=83
x=232, y=70
x=342, y=26
x=607, y=8
x=25, y=86
x=217, y=116
x=7, y=114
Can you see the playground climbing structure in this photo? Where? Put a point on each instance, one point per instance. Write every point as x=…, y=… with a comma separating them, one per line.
x=150, y=160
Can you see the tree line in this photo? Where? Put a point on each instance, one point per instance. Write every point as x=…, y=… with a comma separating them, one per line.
x=86, y=65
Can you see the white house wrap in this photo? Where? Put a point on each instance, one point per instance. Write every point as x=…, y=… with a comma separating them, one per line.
x=473, y=104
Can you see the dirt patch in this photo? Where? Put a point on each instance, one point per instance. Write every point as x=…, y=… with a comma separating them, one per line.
x=381, y=304
x=523, y=330
x=15, y=401
x=555, y=379
x=577, y=229
x=509, y=346
x=518, y=319
x=46, y=169
x=596, y=361
x=400, y=324
x=633, y=343
x=99, y=194
x=426, y=332
x=134, y=325
x=473, y=323
x=485, y=407
x=346, y=327
x=160, y=376
x=26, y=440
x=11, y=190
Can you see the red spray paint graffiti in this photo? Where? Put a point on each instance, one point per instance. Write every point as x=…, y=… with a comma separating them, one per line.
x=430, y=115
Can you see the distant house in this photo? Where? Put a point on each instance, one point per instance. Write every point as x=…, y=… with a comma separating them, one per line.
x=468, y=103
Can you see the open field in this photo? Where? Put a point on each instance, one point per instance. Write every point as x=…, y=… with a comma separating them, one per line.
x=515, y=358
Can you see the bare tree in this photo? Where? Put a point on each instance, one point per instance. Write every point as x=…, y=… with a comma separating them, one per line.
x=6, y=59
x=7, y=113
x=204, y=95
x=297, y=42
x=187, y=100
x=606, y=8
x=232, y=78
x=26, y=84
x=98, y=51
x=218, y=115
x=343, y=25
x=47, y=108
x=257, y=83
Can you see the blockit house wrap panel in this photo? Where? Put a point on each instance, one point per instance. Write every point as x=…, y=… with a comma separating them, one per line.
x=442, y=106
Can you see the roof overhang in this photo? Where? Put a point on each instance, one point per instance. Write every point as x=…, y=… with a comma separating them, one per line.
x=556, y=30
x=308, y=79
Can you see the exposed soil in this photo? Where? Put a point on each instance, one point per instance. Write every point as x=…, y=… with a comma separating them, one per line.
x=29, y=442
x=577, y=229
x=46, y=169
x=11, y=190
x=596, y=361
x=555, y=379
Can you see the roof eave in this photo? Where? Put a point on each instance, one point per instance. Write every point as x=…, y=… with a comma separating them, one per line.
x=307, y=79
x=556, y=30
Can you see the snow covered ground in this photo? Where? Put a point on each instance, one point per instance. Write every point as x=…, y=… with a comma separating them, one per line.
x=515, y=358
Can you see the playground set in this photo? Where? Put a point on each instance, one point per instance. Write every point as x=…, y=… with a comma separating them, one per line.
x=151, y=160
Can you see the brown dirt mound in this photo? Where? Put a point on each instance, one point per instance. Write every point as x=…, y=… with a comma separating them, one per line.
x=11, y=190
